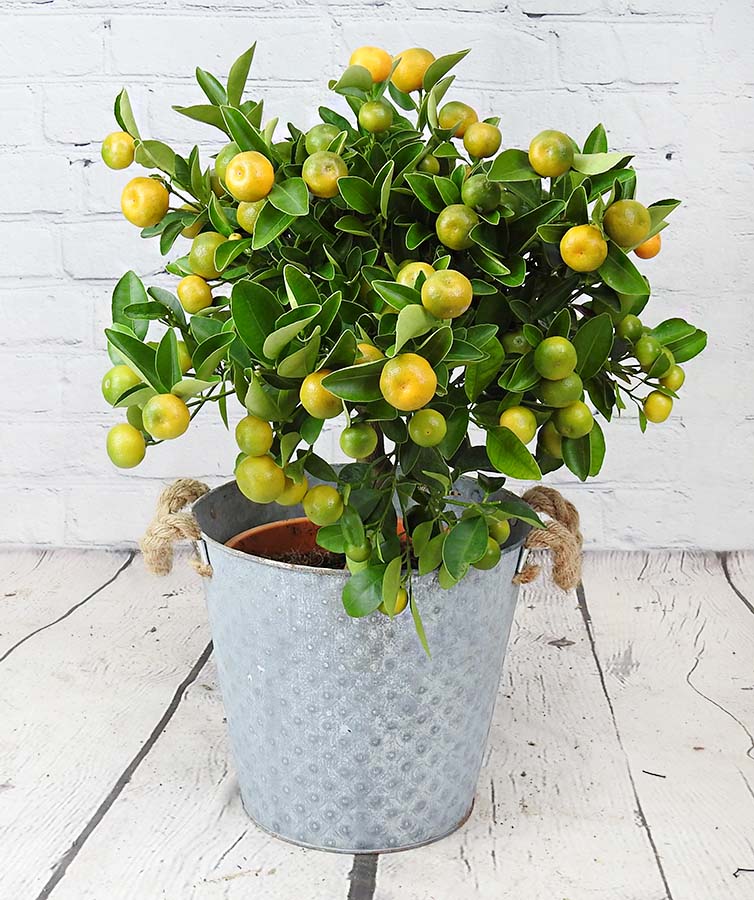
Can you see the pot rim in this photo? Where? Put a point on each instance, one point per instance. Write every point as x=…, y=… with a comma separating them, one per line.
x=521, y=527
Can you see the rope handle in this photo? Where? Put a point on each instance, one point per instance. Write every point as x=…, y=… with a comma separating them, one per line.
x=170, y=524
x=561, y=535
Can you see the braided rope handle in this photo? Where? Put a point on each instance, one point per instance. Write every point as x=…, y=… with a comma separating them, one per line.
x=171, y=524
x=561, y=535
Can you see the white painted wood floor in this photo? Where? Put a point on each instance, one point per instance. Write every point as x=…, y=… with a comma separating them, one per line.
x=621, y=763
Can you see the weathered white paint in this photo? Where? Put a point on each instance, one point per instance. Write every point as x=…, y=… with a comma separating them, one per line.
x=565, y=809
x=671, y=80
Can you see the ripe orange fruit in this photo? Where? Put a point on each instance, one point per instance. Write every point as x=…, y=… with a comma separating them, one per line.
x=458, y=116
x=118, y=150
x=376, y=116
x=447, y=294
x=409, y=73
x=551, y=154
x=321, y=172
x=202, y=254
x=294, y=492
x=482, y=139
x=125, y=446
x=627, y=222
x=583, y=248
x=260, y=479
x=144, y=201
x=316, y=399
x=367, y=353
x=377, y=61
x=249, y=176
x=657, y=406
x=408, y=382
x=411, y=271
x=454, y=224
x=650, y=248
x=165, y=417
x=521, y=421
x=194, y=293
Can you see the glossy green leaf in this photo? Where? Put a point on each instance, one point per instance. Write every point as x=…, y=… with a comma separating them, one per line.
x=397, y=295
x=597, y=163
x=593, y=342
x=290, y=196
x=167, y=361
x=597, y=141
x=299, y=288
x=127, y=291
x=413, y=321
x=238, y=74
x=124, y=114
x=270, y=225
x=362, y=593
x=208, y=114
x=191, y=387
x=287, y=328
x=512, y=165
x=619, y=273
x=510, y=456
x=359, y=194
x=255, y=311
x=465, y=544
x=210, y=353
x=140, y=357
x=357, y=384
x=440, y=67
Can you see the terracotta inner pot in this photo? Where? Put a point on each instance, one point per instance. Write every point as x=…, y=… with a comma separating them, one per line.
x=277, y=539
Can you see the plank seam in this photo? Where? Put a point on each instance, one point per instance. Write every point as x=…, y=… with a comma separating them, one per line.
x=72, y=610
x=585, y=614
x=363, y=876
x=723, y=557
x=68, y=857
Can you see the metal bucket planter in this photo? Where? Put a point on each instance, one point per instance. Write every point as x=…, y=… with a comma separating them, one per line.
x=345, y=735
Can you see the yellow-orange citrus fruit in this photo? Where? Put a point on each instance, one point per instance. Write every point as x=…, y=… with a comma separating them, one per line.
x=411, y=271
x=316, y=399
x=202, y=254
x=367, y=353
x=118, y=150
x=375, y=60
x=627, y=222
x=458, y=116
x=551, y=154
x=249, y=176
x=583, y=248
x=408, y=382
x=521, y=421
x=144, y=201
x=657, y=406
x=447, y=294
x=260, y=479
x=482, y=139
x=254, y=436
x=294, y=492
x=165, y=417
x=125, y=446
x=194, y=293
x=650, y=248
x=322, y=171
x=409, y=73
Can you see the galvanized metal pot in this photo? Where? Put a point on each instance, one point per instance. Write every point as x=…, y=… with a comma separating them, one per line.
x=345, y=735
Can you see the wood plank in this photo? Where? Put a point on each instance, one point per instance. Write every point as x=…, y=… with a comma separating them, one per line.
x=79, y=700
x=179, y=831
x=555, y=814
x=37, y=587
x=677, y=648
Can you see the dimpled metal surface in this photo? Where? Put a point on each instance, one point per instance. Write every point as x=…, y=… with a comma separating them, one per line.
x=345, y=735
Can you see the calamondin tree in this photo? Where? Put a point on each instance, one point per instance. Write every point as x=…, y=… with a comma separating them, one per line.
x=454, y=305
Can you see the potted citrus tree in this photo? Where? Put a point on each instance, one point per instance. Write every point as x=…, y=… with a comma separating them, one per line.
x=463, y=312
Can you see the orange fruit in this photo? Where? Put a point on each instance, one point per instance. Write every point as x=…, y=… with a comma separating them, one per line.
x=323, y=505
x=481, y=139
x=294, y=492
x=454, y=224
x=551, y=154
x=316, y=399
x=411, y=271
x=144, y=201
x=377, y=61
x=657, y=406
x=674, y=378
x=194, y=293
x=458, y=116
x=650, y=248
x=321, y=172
x=118, y=150
x=376, y=116
x=249, y=176
x=125, y=446
x=165, y=417
x=367, y=353
x=583, y=248
x=409, y=73
x=447, y=294
x=521, y=421
x=260, y=479
x=408, y=382
x=627, y=222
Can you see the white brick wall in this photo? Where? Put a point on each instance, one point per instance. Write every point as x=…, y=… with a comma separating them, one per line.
x=671, y=80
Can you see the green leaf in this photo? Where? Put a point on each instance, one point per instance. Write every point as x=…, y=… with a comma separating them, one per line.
x=437, y=345
x=426, y=191
x=413, y=321
x=129, y=290
x=124, y=114
x=658, y=212
x=521, y=376
x=352, y=225
x=673, y=330
x=597, y=163
x=416, y=235
x=293, y=323
x=440, y=67
x=466, y=543
x=266, y=402
x=357, y=384
x=270, y=224
x=352, y=526
x=302, y=361
x=447, y=189
x=243, y=132
x=561, y=324
x=211, y=352
x=597, y=141
x=135, y=396
x=167, y=361
x=516, y=508
x=512, y=165
x=431, y=556
x=480, y=375
x=593, y=342
x=384, y=180
x=230, y=250
x=331, y=537
x=458, y=425
x=211, y=86
x=290, y=196
x=355, y=78
x=238, y=74
x=391, y=582
x=584, y=455
x=522, y=229
x=255, y=311
x=311, y=429
x=576, y=208
x=420, y=536
x=509, y=455
x=362, y=593
x=397, y=295
x=619, y=273
x=300, y=289
x=419, y=625
x=191, y=387
x=359, y=194
x=210, y=115
x=689, y=347
x=155, y=155
x=140, y=356
x=218, y=218
x=150, y=311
